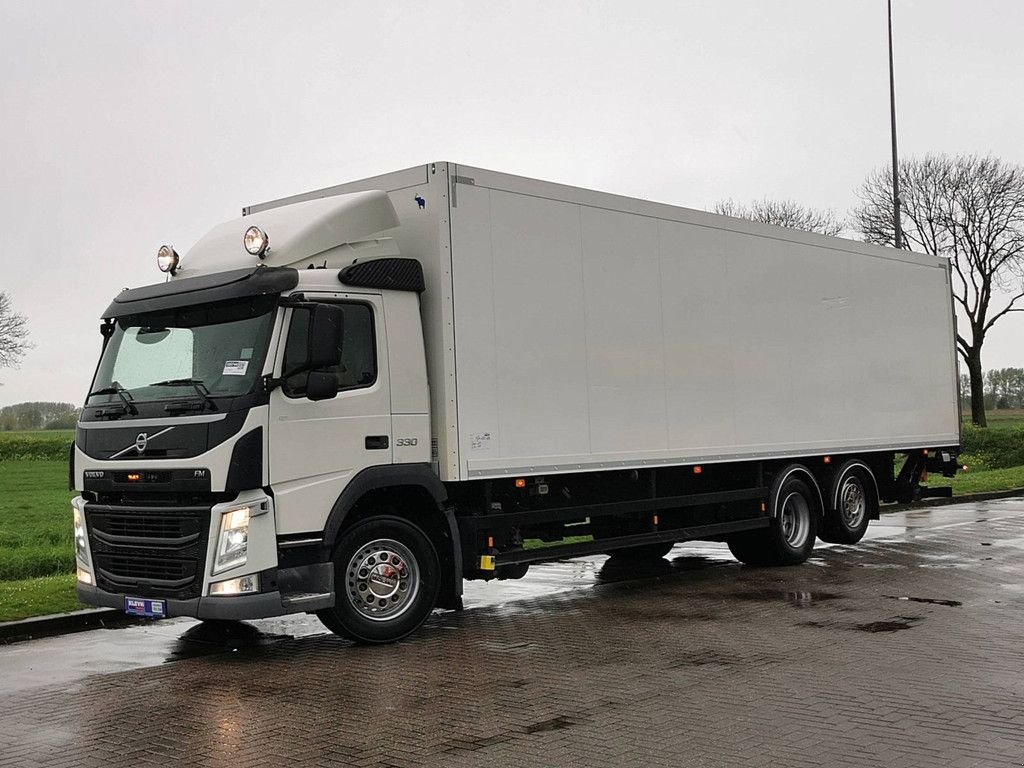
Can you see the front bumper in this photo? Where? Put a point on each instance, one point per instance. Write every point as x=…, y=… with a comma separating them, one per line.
x=234, y=608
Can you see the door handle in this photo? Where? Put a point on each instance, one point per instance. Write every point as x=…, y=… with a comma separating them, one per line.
x=376, y=442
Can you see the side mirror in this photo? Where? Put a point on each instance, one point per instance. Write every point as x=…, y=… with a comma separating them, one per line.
x=321, y=386
x=326, y=329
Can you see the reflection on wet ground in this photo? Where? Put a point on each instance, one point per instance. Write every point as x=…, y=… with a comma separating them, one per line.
x=65, y=659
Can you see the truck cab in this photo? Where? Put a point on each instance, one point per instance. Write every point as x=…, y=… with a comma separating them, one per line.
x=235, y=403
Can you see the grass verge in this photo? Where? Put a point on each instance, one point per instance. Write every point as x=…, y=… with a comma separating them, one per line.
x=36, y=536
x=25, y=598
x=984, y=480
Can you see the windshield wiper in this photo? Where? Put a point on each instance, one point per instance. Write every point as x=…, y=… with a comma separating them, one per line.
x=117, y=389
x=196, y=384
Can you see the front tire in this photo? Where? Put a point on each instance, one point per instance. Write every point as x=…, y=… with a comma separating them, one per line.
x=789, y=539
x=386, y=581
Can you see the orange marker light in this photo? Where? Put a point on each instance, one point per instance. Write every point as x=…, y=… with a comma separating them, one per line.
x=828, y=459
x=655, y=519
x=697, y=470
x=134, y=477
x=520, y=482
x=490, y=542
x=764, y=507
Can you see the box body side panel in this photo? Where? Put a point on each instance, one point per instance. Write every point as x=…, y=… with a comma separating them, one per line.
x=589, y=337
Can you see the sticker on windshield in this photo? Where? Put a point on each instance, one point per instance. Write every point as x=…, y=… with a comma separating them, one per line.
x=235, y=367
x=246, y=353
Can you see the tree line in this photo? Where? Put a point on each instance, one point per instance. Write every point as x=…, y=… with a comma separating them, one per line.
x=1004, y=389
x=41, y=415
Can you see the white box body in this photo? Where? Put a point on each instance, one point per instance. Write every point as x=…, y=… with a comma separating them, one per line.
x=569, y=330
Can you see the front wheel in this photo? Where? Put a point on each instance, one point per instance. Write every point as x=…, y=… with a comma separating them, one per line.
x=386, y=579
x=789, y=539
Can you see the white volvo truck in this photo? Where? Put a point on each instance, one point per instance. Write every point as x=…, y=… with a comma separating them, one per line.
x=348, y=401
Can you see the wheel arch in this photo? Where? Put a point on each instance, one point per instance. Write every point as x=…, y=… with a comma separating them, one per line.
x=411, y=492
x=837, y=480
x=780, y=479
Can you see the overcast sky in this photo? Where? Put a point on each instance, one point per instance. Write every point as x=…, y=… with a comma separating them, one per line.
x=127, y=125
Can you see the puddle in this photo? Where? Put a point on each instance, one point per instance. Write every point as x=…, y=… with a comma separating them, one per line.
x=895, y=624
x=212, y=637
x=554, y=724
x=795, y=599
x=705, y=658
x=928, y=600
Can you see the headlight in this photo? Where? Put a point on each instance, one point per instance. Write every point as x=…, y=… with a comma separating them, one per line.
x=234, y=539
x=79, y=535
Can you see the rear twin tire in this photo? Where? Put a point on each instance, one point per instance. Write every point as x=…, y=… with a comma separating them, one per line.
x=847, y=522
x=789, y=539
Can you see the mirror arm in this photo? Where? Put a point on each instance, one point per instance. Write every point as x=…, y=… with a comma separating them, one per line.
x=270, y=383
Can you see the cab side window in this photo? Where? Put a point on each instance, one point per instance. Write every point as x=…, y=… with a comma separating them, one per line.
x=358, y=350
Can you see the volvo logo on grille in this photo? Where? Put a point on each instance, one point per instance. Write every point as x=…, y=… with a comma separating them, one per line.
x=141, y=443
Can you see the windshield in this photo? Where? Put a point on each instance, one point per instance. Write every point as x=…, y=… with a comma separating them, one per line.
x=190, y=352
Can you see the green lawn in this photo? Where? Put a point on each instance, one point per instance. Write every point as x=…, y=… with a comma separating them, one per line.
x=1005, y=418
x=36, y=536
x=38, y=597
x=983, y=480
x=37, y=557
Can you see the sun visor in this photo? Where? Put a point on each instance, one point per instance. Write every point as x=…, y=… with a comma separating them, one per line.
x=204, y=289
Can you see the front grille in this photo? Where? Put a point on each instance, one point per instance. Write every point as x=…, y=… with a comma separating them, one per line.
x=130, y=570
x=149, y=551
x=154, y=528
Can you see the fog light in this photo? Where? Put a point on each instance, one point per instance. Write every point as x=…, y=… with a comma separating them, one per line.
x=84, y=576
x=243, y=585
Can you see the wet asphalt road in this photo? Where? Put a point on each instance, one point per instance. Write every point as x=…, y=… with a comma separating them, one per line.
x=904, y=650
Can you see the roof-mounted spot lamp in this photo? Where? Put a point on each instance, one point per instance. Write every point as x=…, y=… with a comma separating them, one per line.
x=167, y=259
x=256, y=242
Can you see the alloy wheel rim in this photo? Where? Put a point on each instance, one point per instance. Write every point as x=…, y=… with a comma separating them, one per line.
x=382, y=579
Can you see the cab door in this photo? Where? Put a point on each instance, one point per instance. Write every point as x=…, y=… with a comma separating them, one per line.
x=316, y=447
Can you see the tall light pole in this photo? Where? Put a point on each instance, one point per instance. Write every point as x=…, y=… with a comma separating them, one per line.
x=895, y=159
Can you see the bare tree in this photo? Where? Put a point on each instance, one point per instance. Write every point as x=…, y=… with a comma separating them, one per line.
x=784, y=213
x=13, y=334
x=971, y=210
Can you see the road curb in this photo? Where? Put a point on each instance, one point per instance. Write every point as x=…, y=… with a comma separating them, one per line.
x=62, y=623
x=967, y=498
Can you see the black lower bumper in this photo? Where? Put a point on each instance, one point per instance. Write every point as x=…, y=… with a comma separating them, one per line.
x=236, y=607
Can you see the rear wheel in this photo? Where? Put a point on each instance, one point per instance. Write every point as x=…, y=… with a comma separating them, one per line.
x=848, y=521
x=386, y=579
x=789, y=539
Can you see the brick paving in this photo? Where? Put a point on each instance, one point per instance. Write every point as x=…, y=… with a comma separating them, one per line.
x=709, y=665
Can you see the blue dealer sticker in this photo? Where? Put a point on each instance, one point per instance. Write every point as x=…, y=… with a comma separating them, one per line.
x=152, y=609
